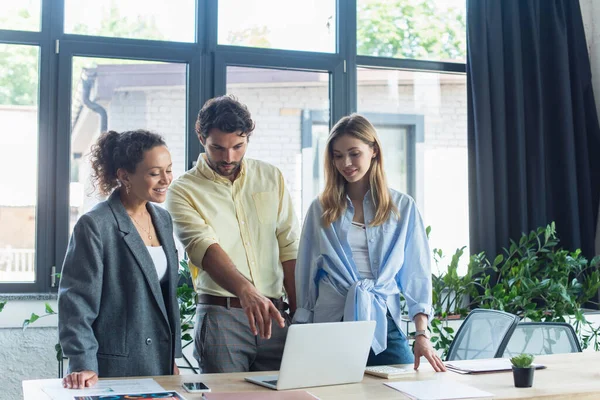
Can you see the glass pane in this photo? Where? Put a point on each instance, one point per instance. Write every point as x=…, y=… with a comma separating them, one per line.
x=19, y=80
x=131, y=95
x=421, y=119
x=281, y=102
x=395, y=155
x=157, y=20
x=416, y=29
x=22, y=15
x=307, y=25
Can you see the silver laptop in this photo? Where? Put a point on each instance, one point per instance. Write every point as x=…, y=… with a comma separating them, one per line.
x=322, y=354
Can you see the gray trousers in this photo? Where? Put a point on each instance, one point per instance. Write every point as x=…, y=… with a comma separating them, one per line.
x=225, y=343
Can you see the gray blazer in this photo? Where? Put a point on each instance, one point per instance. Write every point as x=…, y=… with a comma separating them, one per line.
x=114, y=316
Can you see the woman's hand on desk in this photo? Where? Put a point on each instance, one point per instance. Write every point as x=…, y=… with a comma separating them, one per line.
x=80, y=380
x=424, y=348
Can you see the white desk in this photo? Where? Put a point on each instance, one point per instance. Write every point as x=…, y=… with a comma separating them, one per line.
x=567, y=376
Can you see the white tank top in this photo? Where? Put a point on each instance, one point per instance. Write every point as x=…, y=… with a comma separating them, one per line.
x=159, y=258
x=357, y=237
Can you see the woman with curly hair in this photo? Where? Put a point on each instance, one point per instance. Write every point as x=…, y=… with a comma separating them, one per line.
x=118, y=311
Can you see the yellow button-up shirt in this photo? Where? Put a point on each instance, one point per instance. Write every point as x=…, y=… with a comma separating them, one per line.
x=252, y=219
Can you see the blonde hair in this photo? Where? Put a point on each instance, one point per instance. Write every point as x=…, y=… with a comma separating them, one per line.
x=333, y=198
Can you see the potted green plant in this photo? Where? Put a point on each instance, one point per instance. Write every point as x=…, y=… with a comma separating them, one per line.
x=523, y=370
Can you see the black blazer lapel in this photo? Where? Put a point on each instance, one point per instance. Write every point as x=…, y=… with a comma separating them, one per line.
x=138, y=249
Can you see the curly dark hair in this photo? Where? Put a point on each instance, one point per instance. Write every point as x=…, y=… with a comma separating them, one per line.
x=225, y=113
x=114, y=150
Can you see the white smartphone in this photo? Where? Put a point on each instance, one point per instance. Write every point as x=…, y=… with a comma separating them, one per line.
x=196, y=387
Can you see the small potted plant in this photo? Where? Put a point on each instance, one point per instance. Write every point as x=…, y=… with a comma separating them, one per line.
x=523, y=370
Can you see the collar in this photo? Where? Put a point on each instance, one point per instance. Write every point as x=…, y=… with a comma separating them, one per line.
x=205, y=170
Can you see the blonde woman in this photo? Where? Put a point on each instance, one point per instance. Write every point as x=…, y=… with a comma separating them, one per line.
x=363, y=244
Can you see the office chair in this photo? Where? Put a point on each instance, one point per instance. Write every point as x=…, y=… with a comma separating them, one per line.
x=539, y=338
x=483, y=334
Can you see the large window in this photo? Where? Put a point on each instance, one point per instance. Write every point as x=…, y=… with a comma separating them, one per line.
x=18, y=161
x=72, y=69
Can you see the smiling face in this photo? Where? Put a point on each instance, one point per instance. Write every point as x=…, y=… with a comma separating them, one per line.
x=352, y=158
x=225, y=151
x=152, y=175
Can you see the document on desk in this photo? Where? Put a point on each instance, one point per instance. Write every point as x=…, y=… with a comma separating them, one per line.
x=56, y=391
x=482, y=366
x=435, y=390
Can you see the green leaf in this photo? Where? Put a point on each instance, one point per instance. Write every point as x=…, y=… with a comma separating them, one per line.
x=31, y=320
x=49, y=309
x=186, y=337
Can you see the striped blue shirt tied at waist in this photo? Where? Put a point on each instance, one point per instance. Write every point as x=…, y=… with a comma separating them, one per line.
x=329, y=287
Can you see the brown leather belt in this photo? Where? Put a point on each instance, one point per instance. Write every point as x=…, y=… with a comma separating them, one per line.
x=234, y=301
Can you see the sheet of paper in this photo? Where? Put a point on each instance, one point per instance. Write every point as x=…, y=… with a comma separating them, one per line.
x=433, y=390
x=55, y=390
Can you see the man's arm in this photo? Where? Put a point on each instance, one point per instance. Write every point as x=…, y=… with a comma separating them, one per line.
x=259, y=309
x=204, y=251
x=289, y=283
x=288, y=237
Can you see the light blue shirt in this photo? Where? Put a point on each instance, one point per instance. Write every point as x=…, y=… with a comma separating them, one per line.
x=329, y=287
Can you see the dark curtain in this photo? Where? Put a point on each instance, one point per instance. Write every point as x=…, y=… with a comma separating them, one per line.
x=534, y=140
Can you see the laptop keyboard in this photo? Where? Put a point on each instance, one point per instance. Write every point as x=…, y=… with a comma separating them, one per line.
x=274, y=383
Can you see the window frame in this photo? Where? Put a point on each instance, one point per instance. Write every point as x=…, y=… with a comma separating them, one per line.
x=207, y=63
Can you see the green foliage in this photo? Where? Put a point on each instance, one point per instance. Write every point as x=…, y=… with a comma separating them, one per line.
x=186, y=297
x=411, y=29
x=452, y=294
x=539, y=281
x=18, y=74
x=522, y=360
x=536, y=280
x=34, y=317
x=2, y=304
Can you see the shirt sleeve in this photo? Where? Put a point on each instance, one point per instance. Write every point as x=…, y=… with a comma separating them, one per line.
x=307, y=266
x=287, y=225
x=414, y=278
x=79, y=296
x=189, y=226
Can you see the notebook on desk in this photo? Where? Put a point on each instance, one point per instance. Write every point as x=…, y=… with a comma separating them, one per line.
x=483, y=366
x=322, y=354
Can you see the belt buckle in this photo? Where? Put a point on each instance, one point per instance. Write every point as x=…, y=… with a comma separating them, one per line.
x=228, y=302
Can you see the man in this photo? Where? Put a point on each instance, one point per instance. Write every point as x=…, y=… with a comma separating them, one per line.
x=235, y=218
